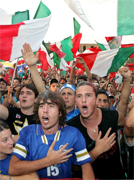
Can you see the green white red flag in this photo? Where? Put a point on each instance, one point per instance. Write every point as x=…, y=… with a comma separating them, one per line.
x=12, y=37
x=104, y=62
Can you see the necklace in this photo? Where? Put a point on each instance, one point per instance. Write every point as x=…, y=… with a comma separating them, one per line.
x=93, y=129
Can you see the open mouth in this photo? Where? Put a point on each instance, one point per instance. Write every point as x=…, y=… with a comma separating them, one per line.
x=45, y=119
x=84, y=109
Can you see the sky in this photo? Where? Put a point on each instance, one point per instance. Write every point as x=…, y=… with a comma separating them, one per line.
x=61, y=24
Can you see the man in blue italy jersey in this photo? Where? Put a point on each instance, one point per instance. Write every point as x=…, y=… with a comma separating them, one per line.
x=34, y=142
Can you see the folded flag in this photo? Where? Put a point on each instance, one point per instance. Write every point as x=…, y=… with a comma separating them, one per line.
x=104, y=62
x=112, y=17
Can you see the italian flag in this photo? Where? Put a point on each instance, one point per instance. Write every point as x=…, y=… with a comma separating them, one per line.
x=12, y=37
x=15, y=18
x=106, y=17
x=102, y=63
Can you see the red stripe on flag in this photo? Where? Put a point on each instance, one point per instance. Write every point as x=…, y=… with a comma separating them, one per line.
x=89, y=59
x=7, y=32
x=59, y=53
x=43, y=60
x=76, y=42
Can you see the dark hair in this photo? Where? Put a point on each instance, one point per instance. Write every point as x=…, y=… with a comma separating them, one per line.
x=3, y=125
x=103, y=91
x=31, y=87
x=54, y=98
x=53, y=81
x=84, y=83
x=1, y=79
x=18, y=79
x=62, y=78
x=84, y=77
x=4, y=92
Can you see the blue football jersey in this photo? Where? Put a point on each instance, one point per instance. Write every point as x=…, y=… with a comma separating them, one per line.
x=4, y=165
x=33, y=144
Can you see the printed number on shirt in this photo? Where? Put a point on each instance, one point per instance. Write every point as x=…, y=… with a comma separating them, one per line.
x=52, y=171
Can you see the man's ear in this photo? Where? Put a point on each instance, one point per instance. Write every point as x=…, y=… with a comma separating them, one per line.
x=60, y=114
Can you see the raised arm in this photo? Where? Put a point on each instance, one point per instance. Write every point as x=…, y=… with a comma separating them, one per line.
x=31, y=61
x=124, y=97
x=81, y=61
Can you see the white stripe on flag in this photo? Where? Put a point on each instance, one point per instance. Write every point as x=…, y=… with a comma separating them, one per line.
x=32, y=32
x=103, y=62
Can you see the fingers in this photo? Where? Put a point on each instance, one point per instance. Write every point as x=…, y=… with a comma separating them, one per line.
x=107, y=133
x=99, y=135
x=52, y=145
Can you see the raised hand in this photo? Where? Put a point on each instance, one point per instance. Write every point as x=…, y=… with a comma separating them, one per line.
x=28, y=55
x=60, y=156
x=80, y=60
x=125, y=72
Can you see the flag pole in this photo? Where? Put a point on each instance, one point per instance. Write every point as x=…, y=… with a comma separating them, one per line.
x=14, y=71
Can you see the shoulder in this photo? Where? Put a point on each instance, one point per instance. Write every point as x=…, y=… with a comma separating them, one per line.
x=74, y=120
x=71, y=130
x=28, y=130
x=109, y=112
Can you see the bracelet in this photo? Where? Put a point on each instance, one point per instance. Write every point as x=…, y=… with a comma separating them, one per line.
x=9, y=177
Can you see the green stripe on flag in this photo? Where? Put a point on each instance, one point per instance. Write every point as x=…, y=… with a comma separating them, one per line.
x=76, y=26
x=20, y=16
x=121, y=57
x=66, y=46
x=101, y=46
x=125, y=17
x=56, y=60
x=42, y=11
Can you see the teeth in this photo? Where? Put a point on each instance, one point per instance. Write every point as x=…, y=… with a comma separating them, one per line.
x=45, y=119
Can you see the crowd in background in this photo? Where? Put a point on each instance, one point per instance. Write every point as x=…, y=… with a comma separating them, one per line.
x=114, y=98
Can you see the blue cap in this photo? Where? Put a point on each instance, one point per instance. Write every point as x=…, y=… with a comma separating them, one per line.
x=68, y=86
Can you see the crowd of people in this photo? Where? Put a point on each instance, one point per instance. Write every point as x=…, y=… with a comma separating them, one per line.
x=71, y=126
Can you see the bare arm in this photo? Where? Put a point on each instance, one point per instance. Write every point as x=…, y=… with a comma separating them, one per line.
x=89, y=75
x=3, y=112
x=18, y=167
x=72, y=80
x=31, y=61
x=87, y=172
x=124, y=97
x=121, y=119
x=129, y=125
x=32, y=176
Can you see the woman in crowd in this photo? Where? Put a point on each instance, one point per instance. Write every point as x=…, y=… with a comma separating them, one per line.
x=6, y=149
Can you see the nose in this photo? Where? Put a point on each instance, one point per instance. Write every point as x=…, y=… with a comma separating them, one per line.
x=83, y=98
x=11, y=142
x=102, y=104
x=45, y=108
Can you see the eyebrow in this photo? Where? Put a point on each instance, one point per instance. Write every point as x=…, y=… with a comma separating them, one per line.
x=49, y=103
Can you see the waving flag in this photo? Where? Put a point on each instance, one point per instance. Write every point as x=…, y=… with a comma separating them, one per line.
x=104, y=62
x=12, y=37
x=17, y=17
x=107, y=17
